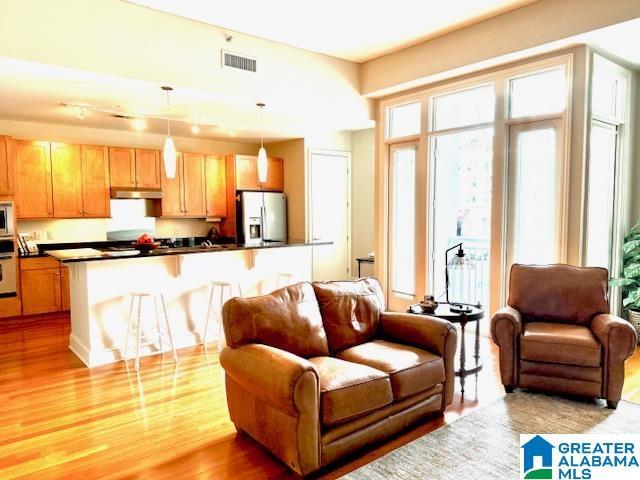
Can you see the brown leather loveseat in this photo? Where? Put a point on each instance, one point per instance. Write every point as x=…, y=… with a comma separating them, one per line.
x=315, y=371
x=557, y=333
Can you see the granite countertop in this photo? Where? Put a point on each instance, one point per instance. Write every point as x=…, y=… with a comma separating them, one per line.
x=104, y=253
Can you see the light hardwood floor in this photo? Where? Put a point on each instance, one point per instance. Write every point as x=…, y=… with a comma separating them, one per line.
x=59, y=419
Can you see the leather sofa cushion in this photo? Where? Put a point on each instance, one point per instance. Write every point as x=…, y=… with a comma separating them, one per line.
x=349, y=390
x=288, y=319
x=560, y=343
x=350, y=311
x=411, y=370
x=558, y=293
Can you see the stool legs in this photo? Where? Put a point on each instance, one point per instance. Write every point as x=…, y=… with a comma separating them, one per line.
x=215, y=308
x=136, y=324
x=166, y=316
x=284, y=280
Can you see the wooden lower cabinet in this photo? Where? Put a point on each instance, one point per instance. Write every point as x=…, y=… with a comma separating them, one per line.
x=44, y=285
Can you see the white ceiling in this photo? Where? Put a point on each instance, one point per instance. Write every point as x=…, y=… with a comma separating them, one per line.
x=356, y=30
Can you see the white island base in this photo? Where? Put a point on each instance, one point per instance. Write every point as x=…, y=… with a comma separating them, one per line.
x=100, y=290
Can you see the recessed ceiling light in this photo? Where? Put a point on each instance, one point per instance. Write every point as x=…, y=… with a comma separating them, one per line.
x=139, y=124
x=195, y=129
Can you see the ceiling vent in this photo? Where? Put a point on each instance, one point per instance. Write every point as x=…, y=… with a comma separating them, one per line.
x=239, y=62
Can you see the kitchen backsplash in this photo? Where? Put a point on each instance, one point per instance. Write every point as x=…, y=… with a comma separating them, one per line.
x=95, y=229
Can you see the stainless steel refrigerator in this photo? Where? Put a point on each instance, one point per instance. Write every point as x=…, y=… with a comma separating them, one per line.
x=262, y=217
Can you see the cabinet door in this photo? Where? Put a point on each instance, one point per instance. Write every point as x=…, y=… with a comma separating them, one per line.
x=7, y=163
x=41, y=291
x=147, y=168
x=95, y=181
x=66, y=178
x=122, y=163
x=33, y=180
x=64, y=287
x=275, y=175
x=215, y=186
x=247, y=173
x=193, y=184
x=172, y=194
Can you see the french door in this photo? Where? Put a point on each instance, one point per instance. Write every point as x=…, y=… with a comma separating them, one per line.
x=535, y=232
x=402, y=221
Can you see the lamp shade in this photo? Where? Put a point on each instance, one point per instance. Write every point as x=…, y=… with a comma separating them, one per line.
x=262, y=165
x=169, y=158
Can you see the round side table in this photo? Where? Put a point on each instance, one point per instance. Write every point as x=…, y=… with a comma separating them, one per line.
x=474, y=315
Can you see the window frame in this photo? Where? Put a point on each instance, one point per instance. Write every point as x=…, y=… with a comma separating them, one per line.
x=501, y=123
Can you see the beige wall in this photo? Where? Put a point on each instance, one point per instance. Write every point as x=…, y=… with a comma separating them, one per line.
x=293, y=151
x=634, y=129
x=536, y=24
x=363, y=163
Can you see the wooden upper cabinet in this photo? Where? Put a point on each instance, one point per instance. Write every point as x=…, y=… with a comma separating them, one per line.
x=172, y=193
x=33, y=180
x=275, y=175
x=122, y=162
x=215, y=186
x=66, y=176
x=193, y=184
x=147, y=168
x=95, y=181
x=247, y=174
x=7, y=164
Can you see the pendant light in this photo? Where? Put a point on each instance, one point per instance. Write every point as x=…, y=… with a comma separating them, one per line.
x=262, y=153
x=169, y=151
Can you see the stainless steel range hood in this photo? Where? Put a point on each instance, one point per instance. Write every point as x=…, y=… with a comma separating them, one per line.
x=133, y=193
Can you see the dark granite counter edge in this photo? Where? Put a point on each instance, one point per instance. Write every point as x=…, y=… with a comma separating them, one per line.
x=191, y=250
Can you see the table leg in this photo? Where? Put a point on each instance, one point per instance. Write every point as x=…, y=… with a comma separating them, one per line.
x=462, y=356
x=477, y=349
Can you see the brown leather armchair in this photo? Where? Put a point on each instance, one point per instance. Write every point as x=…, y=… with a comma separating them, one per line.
x=557, y=333
x=315, y=371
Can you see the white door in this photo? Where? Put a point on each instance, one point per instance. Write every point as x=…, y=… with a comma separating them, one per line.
x=329, y=206
x=536, y=204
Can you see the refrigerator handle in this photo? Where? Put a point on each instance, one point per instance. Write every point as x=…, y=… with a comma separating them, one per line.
x=263, y=222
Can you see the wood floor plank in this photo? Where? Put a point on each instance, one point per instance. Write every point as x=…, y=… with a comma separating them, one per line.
x=60, y=420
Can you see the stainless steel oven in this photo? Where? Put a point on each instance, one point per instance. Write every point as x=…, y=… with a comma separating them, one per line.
x=7, y=268
x=6, y=219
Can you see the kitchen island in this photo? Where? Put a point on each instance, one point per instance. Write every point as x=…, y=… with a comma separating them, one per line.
x=100, y=285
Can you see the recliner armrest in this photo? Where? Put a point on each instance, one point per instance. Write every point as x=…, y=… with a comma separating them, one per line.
x=429, y=333
x=270, y=373
x=506, y=326
x=506, y=318
x=616, y=335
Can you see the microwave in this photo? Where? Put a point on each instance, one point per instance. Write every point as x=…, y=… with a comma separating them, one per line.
x=6, y=219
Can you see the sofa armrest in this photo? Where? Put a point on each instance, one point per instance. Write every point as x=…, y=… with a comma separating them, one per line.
x=506, y=326
x=430, y=333
x=424, y=331
x=271, y=374
x=618, y=339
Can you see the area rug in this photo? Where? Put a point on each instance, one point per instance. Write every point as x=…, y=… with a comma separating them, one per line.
x=485, y=444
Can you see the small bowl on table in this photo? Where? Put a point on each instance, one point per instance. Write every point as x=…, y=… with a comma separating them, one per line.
x=145, y=247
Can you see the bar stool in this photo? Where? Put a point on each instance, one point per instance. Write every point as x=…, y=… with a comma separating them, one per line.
x=136, y=323
x=284, y=279
x=215, y=307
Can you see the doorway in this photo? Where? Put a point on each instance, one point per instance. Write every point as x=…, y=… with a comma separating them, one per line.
x=330, y=213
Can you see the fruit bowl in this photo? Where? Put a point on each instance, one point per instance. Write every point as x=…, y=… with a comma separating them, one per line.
x=145, y=247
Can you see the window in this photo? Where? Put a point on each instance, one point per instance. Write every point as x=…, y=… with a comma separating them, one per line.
x=403, y=215
x=404, y=120
x=535, y=203
x=540, y=93
x=600, y=194
x=468, y=107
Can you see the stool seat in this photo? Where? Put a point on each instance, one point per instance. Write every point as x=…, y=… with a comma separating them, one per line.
x=136, y=325
x=215, y=306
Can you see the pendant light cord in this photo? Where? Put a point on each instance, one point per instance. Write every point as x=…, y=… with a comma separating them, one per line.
x=168, y=122
x=262, y=126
